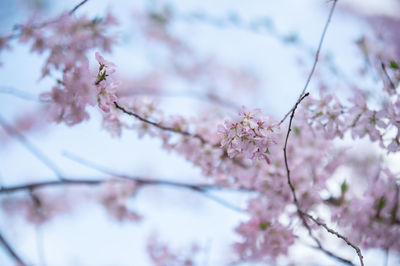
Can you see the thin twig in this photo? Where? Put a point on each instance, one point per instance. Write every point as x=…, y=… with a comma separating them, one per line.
x=303, y=214
x=32, y=148
x=321, y=41
x=170, y=129
x=303, y=94
x=285, y=148
x=181, y=132
x=218, y=200
x=21, y=94
x=199, y=188
x=18, y=28
x=387, y=76
x=51, y=183
x=11, y=251
x=386, y=257
x=333, y=232
x=77, y=7
x=296, y=202
x=329, y=253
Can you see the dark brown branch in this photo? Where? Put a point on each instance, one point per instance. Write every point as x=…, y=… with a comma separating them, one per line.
x=18, y=28
x=52, y=183
x=71, y=181
x=303, y=214
x=180, y=132
x=321, y=41
x=329, y=253
x=170, y=129
x=292, y=111
x=77, y=7
x=200, y=188
x=29, y=146
x=296, y=202
x=333, y=232
x=387, y=76
x=11, y=251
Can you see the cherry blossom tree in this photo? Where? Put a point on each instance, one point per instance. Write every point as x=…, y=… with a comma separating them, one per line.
x=307, y=182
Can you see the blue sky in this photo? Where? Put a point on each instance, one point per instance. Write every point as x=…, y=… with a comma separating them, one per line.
x=86, y=236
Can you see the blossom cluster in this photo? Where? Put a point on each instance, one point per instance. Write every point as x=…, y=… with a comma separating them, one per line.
x=65, y=42
x=114, y=199
x=162, y=255
x=375, y=211
x=231, y=155
x=249, y=135
x=264, y=236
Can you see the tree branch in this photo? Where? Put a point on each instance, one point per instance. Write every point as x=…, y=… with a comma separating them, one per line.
x=11, y=251
x=333, y=232
x=181, y=132
x=77, y=7
x=199, y=188
x=303, y=94
x=392, y=86
x=29, y=146
x=202, y=189
x=321, y=41
x=17, y=28
x=170, y=129
x=303, y=214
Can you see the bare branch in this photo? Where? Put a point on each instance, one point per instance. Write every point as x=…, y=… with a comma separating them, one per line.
x=77, y=7
x=200, y=188
x=392, y=86
x=303, y=214
x=333, y=232
x=329, y=253
x=170, y=129
x=29, y=146
x=11, y=251
x=52, y=183
x=17, y=28
x=181, y=132
x=321, y=41
x=303, y=94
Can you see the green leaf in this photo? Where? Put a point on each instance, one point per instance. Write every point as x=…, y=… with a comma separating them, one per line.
x=381, y=203
x=344, y=187
x=394, y=65
x=264, y=226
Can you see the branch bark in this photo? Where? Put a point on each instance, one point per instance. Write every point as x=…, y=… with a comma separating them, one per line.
x=11, y=251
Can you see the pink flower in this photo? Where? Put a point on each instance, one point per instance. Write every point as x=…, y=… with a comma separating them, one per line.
x=106, y=85
x=249, y=135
